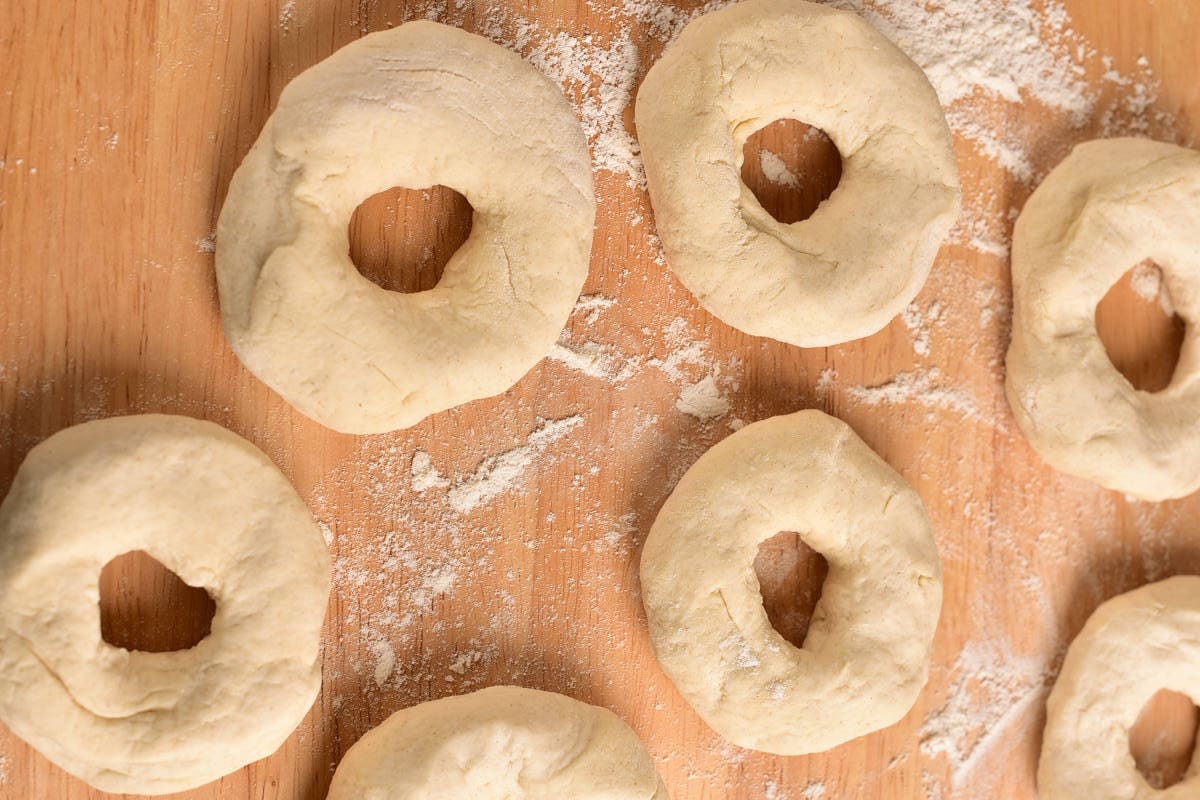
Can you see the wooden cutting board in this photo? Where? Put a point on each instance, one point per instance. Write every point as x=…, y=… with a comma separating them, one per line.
x=120, y=125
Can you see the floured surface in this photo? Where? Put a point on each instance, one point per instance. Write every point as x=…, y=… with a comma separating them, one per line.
x=107, y=201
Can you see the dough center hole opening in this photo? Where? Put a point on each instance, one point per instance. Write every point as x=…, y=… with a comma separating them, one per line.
x=1140, y=330
x=791, y=168
x=790, y=577
x=144, y=606
x=1164, y=737
x=401, y=239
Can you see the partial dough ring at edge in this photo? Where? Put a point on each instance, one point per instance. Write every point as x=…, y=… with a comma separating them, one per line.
x=845, y=272
x=867, y=653
x=518, y=742
x=1132, y=646
x=1108, y=206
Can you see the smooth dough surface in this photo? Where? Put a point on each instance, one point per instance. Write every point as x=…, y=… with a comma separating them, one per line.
x=1131, y=647
x=866, y=656
x=1107, y=207
x=846, y=271
x=214, y=510
x=501, y=743
x=415, y=106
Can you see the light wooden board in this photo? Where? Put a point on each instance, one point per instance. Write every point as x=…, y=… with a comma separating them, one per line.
x=120, y=126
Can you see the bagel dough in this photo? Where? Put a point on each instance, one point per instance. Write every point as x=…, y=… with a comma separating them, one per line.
x=501, y=743
x=1107, y=207
x=418, y=105
x=867, y=652
x=1131, y=647
x=213, y=509
x=846, y=271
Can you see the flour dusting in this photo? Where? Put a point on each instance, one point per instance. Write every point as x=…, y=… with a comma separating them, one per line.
x=1147, y=283
x=591, y=306
x=385, y=661
x=993, y=691
x=775, y=170
x=591, y=358
x=498, y=473
x=922, y=388
x=703, y=400
x=814, y=791
x=425, y=475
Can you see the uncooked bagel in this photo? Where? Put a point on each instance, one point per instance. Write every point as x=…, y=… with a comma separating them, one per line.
x=866, y=655
x=1107, y=207
x=846, y=271
x=1131, y=647
x=214, y=510
x=418, y=105
x=502, y=743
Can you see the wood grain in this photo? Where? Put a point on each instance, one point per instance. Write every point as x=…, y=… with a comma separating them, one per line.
x=120, y=126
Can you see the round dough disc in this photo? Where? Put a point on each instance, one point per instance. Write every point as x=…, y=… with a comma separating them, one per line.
x=866, y=656
x=418, y=105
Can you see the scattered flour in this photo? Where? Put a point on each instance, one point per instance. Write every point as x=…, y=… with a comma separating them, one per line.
x=813, y=791
x=1147, y=283
x=993, y=691
x=208, y=244
x=385, y=661
x=826, y=382
x=465, y=660
x=592, y=359
x=921, y=388
x=919, y=323
x=592, y=305
x=287, y=14
x=498, y=473
x=776, y=171
x=599, y=79
x=705, y=397
x=425, y=475
x=703, y=400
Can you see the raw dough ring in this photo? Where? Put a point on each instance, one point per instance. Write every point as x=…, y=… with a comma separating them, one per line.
x=504, y=743
x=846, y=271
x=213, y=509
x=867, y=652
x=1131, y=647
x=1108, y=206
x=418, y=105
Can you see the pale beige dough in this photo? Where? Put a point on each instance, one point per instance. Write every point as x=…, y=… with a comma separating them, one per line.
x=866, y=656
x=1131, y=647
x=846, y=271
x=415, y=106
x=1107, y=207
x=215, y=511
x=502, y=743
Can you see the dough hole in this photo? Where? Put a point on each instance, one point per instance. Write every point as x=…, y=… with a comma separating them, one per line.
x=144, y=606
x=1163, y=738
x=401, y=239
x=1140, y=332
x=790, y=577
x=791, y=168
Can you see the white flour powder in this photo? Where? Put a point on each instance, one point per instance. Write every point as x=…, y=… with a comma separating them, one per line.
x=776, y=170
x=498, y=473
